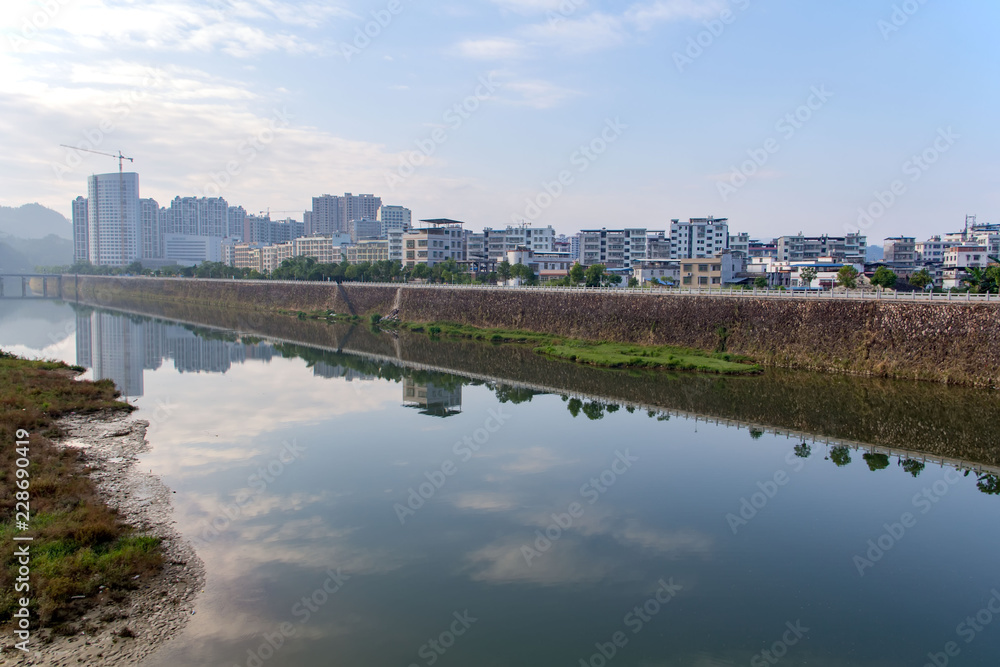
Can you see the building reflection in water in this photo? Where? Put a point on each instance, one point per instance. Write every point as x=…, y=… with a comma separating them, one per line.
x=432, y=399
x=120, y=348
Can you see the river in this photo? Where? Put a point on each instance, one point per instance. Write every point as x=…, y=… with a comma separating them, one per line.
x=364, y=500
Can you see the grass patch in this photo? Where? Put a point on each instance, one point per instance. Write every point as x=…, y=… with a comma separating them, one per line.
x=608, y=355
x=618, y=355
x=79, y=544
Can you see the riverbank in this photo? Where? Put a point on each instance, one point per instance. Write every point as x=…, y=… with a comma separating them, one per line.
x=940, y=342
x=111, y=579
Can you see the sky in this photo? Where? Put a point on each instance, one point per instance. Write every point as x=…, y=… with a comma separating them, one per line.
x=784, y=116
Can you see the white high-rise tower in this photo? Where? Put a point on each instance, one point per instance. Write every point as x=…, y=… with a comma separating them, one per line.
x=113, y=228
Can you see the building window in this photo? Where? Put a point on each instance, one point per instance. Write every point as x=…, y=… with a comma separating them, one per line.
x=687, y=280
x=702, y=280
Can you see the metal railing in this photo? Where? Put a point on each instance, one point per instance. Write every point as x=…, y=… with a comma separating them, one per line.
x=727, y=292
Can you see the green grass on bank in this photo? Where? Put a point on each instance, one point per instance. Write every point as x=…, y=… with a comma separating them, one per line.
x=608, y=355
x=618, y=355
x=80, y=544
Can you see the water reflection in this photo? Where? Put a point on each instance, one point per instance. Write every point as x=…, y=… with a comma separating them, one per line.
x=550, y=504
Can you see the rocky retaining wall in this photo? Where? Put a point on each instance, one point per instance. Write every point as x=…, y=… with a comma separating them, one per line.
x=941, y=342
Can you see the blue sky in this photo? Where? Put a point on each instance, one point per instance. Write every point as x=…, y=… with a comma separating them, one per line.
x=270, y=102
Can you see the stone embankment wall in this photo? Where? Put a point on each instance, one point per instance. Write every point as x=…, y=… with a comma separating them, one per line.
x=940, y=342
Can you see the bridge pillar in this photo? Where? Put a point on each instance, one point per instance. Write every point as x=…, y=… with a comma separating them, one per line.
x=45, y=287
x=24, y=287
x=1, y=286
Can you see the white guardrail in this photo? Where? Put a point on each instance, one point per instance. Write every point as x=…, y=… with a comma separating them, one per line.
x=755, y=293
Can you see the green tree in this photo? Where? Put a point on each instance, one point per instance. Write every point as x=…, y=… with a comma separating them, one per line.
x=847, y=276
x=761, y=282
x=876, y=461
x=633, y=281
x=504, y=270
x=884, y=277
x=577, y=274
x=595, y=275
x=803, y=451
x=840, y=455
x=921, y=279
x=808, y=275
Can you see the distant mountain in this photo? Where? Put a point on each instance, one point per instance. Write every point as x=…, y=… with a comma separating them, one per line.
x=875, y=253
x=50, y=251
x=33, y=221
x=12, y=261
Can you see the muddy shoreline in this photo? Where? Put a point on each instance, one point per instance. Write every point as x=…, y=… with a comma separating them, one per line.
x=123, y=630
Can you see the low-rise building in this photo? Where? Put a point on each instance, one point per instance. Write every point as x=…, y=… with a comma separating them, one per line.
x=657, y=270
x=711, y=271
x=932, y=250
x=546, y=265
x=899, y=250
x=325, y=249
x=271, y=256
x=444, y=240
x=372, y=250
x=191, y=250
x=966, y=256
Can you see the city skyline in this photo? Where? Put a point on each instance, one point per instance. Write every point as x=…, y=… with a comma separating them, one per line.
x=572, y=114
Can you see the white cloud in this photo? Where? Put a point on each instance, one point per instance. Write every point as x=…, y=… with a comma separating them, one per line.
x=540, y=6
x=593, y=32
x=647, y=16
x=240, y=28
x=495, y=48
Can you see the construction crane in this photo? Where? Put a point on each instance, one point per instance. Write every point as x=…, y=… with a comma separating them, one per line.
x=121, y=191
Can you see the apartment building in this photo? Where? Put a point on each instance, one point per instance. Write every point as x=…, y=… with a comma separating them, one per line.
x=899, y=250
x=932, y=250
x=966, y=256
x=710, y=271
x=851, y=249
x=444, y=240
x=614, y=248
x=324, y=249
x=699, y=237
x=371, y=250
x=332, y=214
x=498, y=242
x=394, y=218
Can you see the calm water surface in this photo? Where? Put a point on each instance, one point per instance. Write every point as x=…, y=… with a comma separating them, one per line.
x=354, y=513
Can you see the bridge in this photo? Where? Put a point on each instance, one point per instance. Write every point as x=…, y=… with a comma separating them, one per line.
x=24, y=285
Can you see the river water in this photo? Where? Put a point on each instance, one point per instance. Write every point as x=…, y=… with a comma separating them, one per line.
x=514, y=512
